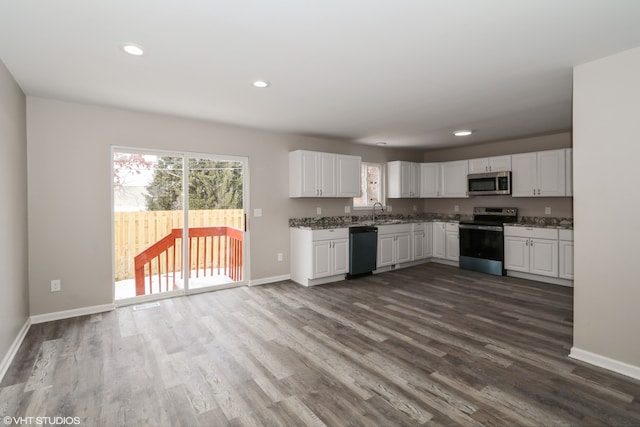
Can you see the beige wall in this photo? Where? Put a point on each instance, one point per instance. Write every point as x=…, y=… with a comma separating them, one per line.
x=606, y=108
x=14, y=309
x=527, y=206
x=70, y=185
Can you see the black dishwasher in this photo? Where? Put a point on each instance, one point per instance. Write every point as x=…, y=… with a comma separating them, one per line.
x=363, y=249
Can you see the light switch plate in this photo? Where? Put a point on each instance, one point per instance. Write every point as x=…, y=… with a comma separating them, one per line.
x=318, y=210
x=347, y=209
x=547, y=211
x=257, y=212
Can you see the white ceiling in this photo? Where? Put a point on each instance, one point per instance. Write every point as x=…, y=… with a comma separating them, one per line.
x=407, y=72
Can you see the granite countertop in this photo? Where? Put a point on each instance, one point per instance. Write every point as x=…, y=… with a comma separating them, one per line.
x=321, y=223
x=544, y=222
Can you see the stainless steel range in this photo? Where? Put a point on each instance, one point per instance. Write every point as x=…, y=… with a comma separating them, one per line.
x=482, y=239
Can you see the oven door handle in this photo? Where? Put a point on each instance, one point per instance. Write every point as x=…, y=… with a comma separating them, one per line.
x=481, y=227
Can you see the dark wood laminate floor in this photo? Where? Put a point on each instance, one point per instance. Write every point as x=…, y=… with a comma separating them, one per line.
x=429, y=345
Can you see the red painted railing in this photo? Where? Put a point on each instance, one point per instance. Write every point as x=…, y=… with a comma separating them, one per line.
x=210, y=249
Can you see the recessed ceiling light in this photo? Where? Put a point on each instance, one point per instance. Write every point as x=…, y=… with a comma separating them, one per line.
x=132, y=49
x=261, y=84
x=463, y=132
x=381, y=143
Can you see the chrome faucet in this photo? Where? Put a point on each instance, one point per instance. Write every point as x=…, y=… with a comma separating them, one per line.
x=373, y=212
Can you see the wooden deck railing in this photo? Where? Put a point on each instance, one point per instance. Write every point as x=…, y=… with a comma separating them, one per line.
x=210, y=249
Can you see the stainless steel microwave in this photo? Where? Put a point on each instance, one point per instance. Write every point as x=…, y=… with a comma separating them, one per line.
x=489, y=184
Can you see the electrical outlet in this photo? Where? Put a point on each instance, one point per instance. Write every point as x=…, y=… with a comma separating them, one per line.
x=389, y=208
x=547, y=210
x=279, y=257
x=347, y=209
x=56, y=285
x=257, y=212
x=318, y=210
x=456, y=208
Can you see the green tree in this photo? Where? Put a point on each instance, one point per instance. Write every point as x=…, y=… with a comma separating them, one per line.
x=212, y=185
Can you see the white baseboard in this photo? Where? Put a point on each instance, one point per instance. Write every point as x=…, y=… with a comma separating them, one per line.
x=8, y=358
x=59, y=315
x=268, y=280
x=605, y=362
x=539, y=278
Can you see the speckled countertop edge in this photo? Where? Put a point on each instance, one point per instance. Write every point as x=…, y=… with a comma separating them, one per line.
x=320, y=223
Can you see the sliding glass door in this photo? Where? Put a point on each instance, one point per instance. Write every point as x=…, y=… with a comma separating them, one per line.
x=178, y=222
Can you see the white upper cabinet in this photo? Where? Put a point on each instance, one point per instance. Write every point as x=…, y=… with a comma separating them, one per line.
x=446, y=179
x=490, y=164
x=348, y=183
x=540, y=174
x=569, y=171
x=430, y=180
x=403, y=179
x=317, y=174
x=453, y=178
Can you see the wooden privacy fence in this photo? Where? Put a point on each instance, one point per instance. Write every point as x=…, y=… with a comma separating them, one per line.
x=134, y=232
x=212, y=250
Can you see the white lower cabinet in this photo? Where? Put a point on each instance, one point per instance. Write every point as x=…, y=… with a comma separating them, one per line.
x=531, y=250
x=452, y=247
x=566, y=254
x=446, y=241
x=422, y=240
x=319, y=256
x=394, y=244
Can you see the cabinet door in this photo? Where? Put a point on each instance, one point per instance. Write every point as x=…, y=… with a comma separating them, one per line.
x=551, y=171
x=524, y=175
x=386, y=250
x=348, y=183
x=428, y=240
x=321, y=259
x=479, y=165
x=452, y=246
x=566, y=260
x=454, y=179
x=405, y=179
x=429, y=180
x=403, y=247
x=327, y=174
x=439, y=240
x=544, y=257
x=310, y=174
x=568, y=173
x=340, y=253
x=516, y=253
x=415, y=179
x=419, y=245
x=499, y=163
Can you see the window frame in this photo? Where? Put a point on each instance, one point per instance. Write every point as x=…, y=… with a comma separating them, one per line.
x=364, y=186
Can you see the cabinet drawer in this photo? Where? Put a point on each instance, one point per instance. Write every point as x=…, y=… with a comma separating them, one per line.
x=330, y=233
x=421, y=226
x=394, y=229
x=452, y=226
x=566, y=235
x=531, y=232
